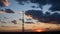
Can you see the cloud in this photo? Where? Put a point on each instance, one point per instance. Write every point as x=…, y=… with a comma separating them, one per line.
x=54, y=7
x=14, y=21
x=40, y=2
x=6, y=11
x=34, y=13
x=22, y=1
x=2, y=21
x=55, y=17
x=1, y=4
x=4, y=3
x=9, y=11
x=46, y=18
x=55, y=3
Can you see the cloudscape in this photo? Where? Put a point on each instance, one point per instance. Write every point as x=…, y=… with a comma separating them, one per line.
x=29, y=15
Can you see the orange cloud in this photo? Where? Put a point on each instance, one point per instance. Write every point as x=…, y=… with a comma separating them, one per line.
x=5, y=2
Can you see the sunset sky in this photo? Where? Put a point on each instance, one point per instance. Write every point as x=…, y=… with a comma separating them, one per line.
x=26, y=5
x=43, y=13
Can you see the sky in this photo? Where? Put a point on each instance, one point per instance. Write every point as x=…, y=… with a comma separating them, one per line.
x=51, y=6
x=41, y=11
x=13, y=4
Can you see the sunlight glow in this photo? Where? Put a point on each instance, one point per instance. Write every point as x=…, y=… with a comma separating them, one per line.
x=29, y=16
x=39, y=30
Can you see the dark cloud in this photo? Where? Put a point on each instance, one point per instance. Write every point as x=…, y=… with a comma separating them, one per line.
x=46, y=18
x=55, y=3
x=42, y=2
x=21, y=0
x=1, y=4
x=55, y=8
x=6, y=11
x=14, y=21
x=1, y=10
x=33, y=6
x=55, y=17
x=29, y=22
x=34, y=13
x=9, y=11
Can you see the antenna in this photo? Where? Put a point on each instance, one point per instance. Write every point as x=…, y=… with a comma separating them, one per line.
x=23, y=22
